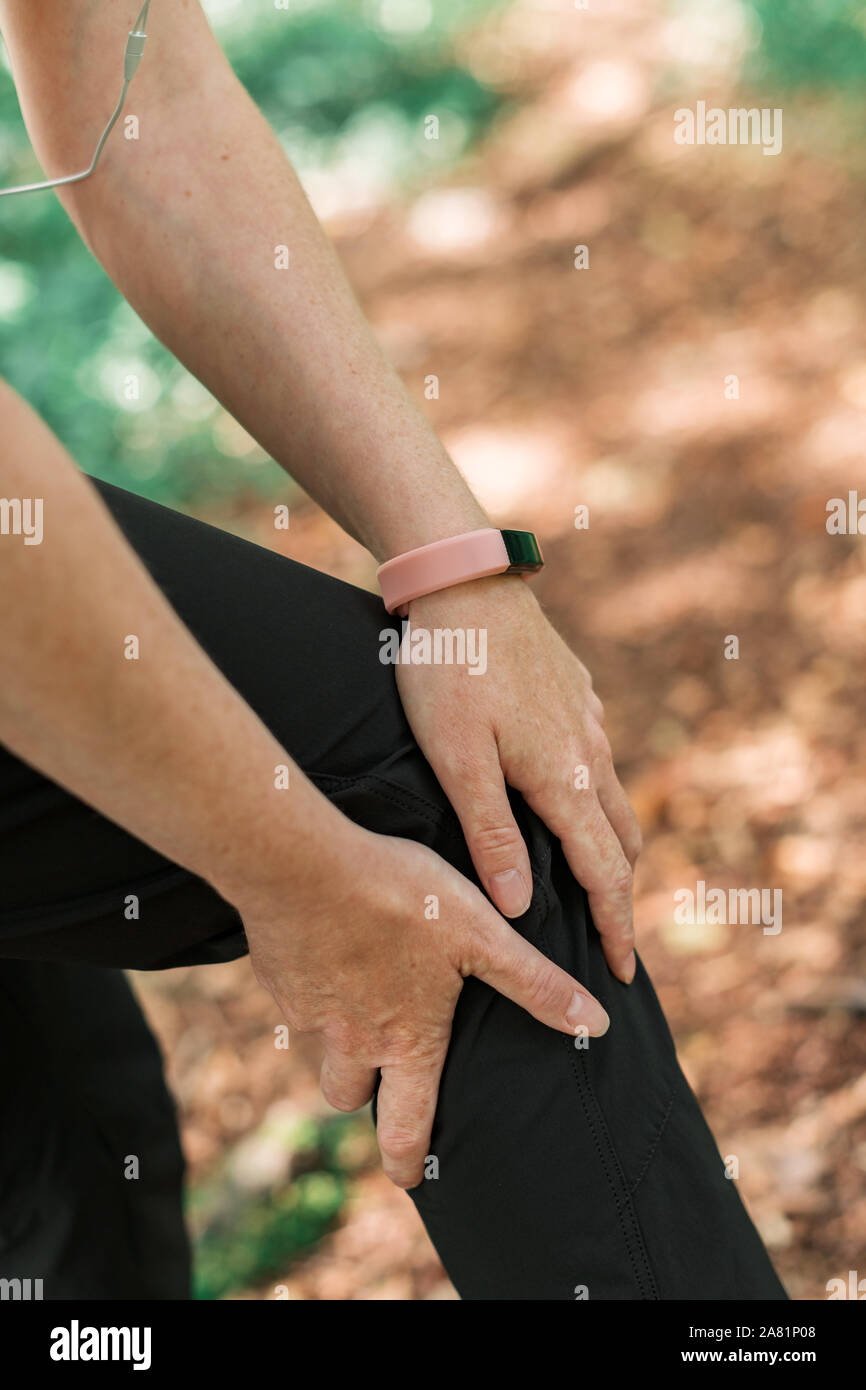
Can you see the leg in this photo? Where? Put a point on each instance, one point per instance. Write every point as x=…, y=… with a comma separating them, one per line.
x=568, y=1171
x=558, y=1167
x=91, y=1168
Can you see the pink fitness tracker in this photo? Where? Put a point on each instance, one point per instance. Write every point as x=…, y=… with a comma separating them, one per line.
x=444, y=563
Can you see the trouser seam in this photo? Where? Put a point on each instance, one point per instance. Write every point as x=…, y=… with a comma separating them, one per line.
x=653, y=1146
x=610, y=1162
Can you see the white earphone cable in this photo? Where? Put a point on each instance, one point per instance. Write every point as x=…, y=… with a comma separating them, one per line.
x=131, y=59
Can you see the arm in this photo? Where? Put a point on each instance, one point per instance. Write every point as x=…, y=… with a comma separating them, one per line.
x=166, y=747
x=186, y=221
x=163, y=744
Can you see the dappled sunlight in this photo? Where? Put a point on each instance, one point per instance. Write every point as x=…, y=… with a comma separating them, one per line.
x=509, y=468
x=700, y=585
x=655, y=356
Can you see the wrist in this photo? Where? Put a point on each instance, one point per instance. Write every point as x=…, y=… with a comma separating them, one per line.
x=431, y=500
x=456, y=560
x=495, y=591
x=429, y=525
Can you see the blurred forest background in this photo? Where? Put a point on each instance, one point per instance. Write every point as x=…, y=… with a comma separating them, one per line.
x=560, y=387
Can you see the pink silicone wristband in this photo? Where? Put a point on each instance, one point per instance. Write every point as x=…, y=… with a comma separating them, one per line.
x=439, y=565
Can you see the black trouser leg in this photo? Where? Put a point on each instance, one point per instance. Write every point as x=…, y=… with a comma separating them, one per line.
x=90, y=1161
x=559, y=1171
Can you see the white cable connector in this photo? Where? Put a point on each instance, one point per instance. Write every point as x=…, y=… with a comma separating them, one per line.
x=131, y=58
x=134, y=49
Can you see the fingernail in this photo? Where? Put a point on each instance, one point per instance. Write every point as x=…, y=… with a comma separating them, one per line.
x=584, y=1012
x=510, y=892
x=629, y=968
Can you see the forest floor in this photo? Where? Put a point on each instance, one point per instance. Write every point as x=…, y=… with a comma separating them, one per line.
x=607, y=387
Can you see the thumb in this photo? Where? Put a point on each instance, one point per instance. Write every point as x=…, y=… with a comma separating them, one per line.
x=477, y=793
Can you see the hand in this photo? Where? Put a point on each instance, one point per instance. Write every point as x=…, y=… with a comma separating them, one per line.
x=531, y=720
x=350, y=954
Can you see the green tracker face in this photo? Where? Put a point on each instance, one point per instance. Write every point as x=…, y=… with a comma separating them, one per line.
x=524, y=552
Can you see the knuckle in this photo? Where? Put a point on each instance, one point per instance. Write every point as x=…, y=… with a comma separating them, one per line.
x=405, y=1181
x=344, y=1037
x=456, y=757
x=545, y=989
x=305, y=1019
x=478, y=949
x=397, y=1039
x=621, y=930
x=494, y=841
x=400, y=1145
x=449, y=762
x=621, y=883
x=615, y=882
x=300, y=1018
x=601, y=749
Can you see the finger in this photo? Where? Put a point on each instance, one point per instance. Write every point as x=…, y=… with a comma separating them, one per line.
x=405, y=1108
x=477, y=793
x=346, y=1083
x=598, y=861
x=618, y=809
x=497, y=954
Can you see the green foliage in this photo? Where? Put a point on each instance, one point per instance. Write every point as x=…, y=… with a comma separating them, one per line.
x=242, y=1238
x=331, y=65
x=817, y=44
x=271, y=1232
x=346, y=86
x=346, y=89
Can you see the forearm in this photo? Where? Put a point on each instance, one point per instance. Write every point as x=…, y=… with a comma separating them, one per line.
x=186, y=222
x=107, y=692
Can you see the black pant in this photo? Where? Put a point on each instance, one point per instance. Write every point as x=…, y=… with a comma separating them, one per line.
x=560, y=1168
